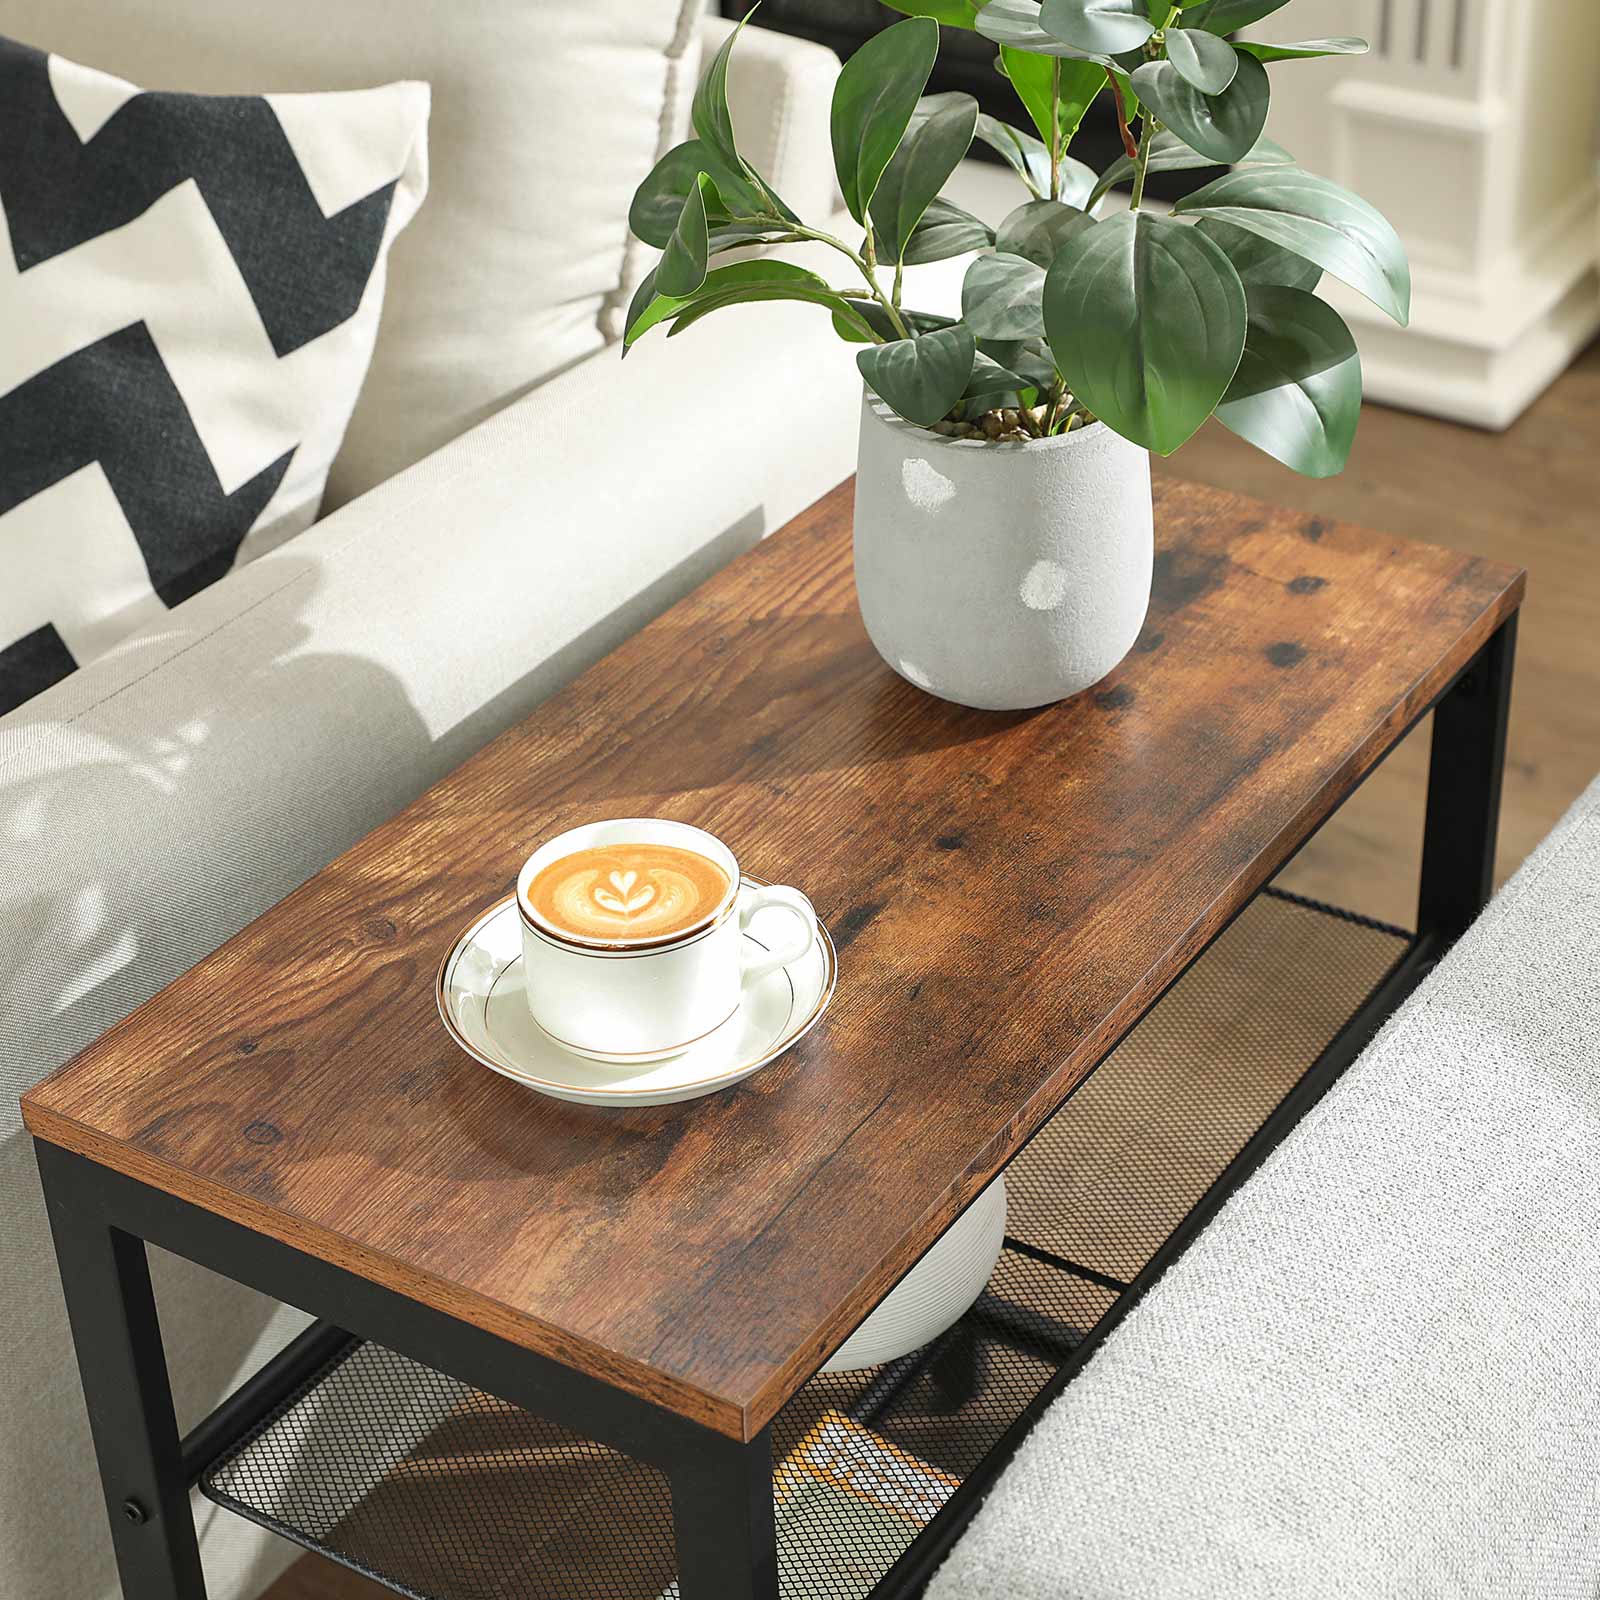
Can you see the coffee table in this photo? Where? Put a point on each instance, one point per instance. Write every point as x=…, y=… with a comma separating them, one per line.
x=632, y=1303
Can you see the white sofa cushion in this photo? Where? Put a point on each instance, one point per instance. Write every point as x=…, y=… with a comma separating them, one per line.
x=1377, y=1373
x=190, y=288
x=546, y=114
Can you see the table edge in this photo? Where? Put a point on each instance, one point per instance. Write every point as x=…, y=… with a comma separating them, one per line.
x=616, y=1370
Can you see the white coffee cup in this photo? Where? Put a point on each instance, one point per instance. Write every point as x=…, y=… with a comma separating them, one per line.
x=634, y=1001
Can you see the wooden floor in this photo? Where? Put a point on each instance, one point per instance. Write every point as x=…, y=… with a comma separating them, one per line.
x=1530, y=495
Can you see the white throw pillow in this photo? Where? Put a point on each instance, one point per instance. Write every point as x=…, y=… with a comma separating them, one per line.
x=546, y=114
x=189, y=291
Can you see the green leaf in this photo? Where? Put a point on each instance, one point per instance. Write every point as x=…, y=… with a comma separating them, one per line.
x=1168, y=153
x=1315, y=219
x=1203, y=59
x=990, y=378
x=1030, y=160
x=713, y=121
x=1077, y=182
x=1146, y=320
x=1000, y=297
x=1222, y=126
x=1025, y=155
x=645, y=300
x=1224, y=16
x=1305, y=49
x=1081, y=83
x=1034, y=77
x=1038, y=229
x=873, y=103
x=930, y=105
x=739, y=235
x=682, y=267
x=848, y=330
x=953, y=13
x=877, y=319
x=658, y=201
x=1259, y=262
x=1015, y=24
x=703, y=304
x=931, y=150
x=649, y=307
x=1297, y=393
x=1030, y=359
x=1099, y=27
x=921, y=378
x=945, y=230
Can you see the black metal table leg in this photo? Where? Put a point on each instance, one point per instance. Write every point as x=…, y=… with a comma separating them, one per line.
x=1464, y=777
x=723, y=1519
x=106, y=1279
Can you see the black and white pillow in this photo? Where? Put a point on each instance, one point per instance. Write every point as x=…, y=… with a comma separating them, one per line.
x=189, y=293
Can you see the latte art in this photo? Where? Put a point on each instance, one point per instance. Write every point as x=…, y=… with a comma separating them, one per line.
x=627, y=892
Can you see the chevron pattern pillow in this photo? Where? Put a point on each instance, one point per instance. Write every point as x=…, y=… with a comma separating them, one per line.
x=189, y=294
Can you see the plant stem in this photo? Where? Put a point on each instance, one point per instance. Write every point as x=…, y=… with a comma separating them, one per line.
x=1053, y=404
x=1142, y=162
x=1122, y=119
x=800, y=231
x=1055, y=128
x=869, y=270
x=899, y=273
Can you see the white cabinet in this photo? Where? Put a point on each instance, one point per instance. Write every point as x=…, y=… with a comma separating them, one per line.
x=1472, y=126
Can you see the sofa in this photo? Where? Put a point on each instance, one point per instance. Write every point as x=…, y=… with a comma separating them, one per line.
x=1332, y=1393
x=511, y=501
x=1376, y=1374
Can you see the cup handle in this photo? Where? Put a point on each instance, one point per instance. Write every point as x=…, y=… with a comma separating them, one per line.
x=796, y=904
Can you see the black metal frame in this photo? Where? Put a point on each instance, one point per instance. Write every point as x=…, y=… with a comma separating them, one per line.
x=101, y=1220
x=721, y=1489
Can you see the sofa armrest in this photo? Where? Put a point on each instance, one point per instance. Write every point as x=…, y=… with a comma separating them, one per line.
x=780, y=90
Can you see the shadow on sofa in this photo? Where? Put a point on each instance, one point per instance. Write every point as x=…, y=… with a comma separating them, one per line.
x=167, y=820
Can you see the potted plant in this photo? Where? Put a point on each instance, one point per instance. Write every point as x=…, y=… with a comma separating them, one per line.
x=1003, y=515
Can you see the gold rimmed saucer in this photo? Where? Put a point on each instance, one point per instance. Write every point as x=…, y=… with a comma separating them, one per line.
x=484, y=1007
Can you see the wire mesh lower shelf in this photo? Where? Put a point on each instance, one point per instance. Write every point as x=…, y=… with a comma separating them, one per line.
x=441, y=1492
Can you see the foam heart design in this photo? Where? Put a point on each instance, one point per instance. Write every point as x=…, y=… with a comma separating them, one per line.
x=619, y=898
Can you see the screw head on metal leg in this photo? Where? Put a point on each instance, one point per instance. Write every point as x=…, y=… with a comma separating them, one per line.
x=134, y=1512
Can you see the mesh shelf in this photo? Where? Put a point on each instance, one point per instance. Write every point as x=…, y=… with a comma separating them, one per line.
x=444, y=1493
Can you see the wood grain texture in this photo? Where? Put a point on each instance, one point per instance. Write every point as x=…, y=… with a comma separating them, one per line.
x=1008, y=892
x=1527, y=497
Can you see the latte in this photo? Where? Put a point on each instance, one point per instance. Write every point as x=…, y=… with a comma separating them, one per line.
x=627, y=892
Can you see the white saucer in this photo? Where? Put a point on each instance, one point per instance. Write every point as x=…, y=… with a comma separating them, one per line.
x=483, y=1006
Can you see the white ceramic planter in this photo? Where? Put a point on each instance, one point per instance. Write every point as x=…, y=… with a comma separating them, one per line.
x=1001, y=576
x=936, y=1291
